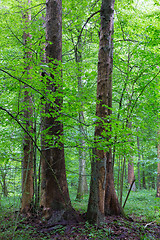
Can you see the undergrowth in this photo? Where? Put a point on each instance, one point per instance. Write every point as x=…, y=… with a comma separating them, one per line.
x=144, y=204
x=141, y=205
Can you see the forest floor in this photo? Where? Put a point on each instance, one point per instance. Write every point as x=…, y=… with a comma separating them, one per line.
x=143, y=208
x=113, y=228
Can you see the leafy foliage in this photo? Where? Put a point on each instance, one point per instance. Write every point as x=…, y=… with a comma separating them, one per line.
x=135, y=110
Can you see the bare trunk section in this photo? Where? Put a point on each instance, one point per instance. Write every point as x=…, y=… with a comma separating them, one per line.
x=112, y=206
x=27, y=162
x=122, y=179
x=131, y=175
x=103, y=199
x=158, y=169
x=82, y=181
x=27, y=171
x=158, y=181
x=143, y=172
x=143, y=178
x=138, y=164
x=3, y=182
x=36, y=190
x=95, y=211
x=54, y=188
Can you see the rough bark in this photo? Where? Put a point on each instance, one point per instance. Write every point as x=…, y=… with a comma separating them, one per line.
x=95, y=211
x=112, y=205
x=54, y=189
x=27, y=174
x=27, y=161
x=103, y=199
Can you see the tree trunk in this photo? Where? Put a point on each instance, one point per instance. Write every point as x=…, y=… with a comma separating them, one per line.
x=27, y=170
x=112, y=205
x=54, y=188
x=82, y=181
x=95, y=211
x=118, y=177
x=158, y=181
x=27, y=162
x=143, y=178
x=122, y=179
x=158, y=169
x=103, y=199
x=3, y=183
x=143, y=172
x=36, y=193
x=138, y=164
x=131, y=175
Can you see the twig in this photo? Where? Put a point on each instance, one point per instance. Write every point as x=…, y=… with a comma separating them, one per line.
x=149, y=224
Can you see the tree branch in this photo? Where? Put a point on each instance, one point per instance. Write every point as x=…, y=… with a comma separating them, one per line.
x=79, y=37
x=44, y=97
x=142, y=92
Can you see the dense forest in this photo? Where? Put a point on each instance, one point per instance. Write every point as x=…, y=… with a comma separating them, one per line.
x=79, y=119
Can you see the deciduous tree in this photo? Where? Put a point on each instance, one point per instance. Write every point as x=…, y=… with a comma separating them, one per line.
x=27, y=161
x=103, y=199
x=55, y=195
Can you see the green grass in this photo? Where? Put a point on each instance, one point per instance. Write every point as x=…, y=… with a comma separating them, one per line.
x=12, y=202
x=141, y=204
x=144, y=203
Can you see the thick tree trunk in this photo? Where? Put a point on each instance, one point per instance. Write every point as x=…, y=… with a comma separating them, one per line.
x=112, y=206
x=27, y=173
x=103, y=199
x=55, y=195
x=27, y=162
x=95, y=211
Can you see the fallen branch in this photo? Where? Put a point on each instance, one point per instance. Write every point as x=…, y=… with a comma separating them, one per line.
x=128, y=192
